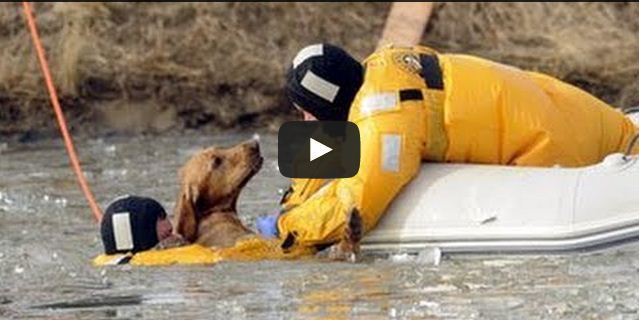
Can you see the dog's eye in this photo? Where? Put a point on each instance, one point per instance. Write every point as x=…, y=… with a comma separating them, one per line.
x=216, y=162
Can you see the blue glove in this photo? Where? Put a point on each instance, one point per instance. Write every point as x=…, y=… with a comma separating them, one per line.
x=267, y=225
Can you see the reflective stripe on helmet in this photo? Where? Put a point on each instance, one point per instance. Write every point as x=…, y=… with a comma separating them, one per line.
x=320, y=87
x=122, y=231
x=308, y=52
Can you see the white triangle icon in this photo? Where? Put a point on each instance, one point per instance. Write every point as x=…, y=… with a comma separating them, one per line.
x=318, y=149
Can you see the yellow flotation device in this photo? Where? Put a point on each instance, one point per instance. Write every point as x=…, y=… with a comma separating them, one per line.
x=253, y=248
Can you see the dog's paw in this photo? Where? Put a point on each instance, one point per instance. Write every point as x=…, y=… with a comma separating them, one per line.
x=348, y=248
x=172, y=241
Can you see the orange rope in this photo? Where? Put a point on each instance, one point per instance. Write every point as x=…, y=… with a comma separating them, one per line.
x=58, y=112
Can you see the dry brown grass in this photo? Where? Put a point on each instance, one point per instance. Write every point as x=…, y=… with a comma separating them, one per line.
x=592, y=45
x=219, y=65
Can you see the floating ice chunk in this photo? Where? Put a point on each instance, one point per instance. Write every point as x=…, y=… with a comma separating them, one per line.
x=430, y=255
x=475, y=286
x=4, y=197
x=3, y=147
x=110, y=149
x=428, y=304
x=39, y=175
x=164, y=298
x=401, y=258
x=499, y=263
x=18, y=270
x=61, y=202
x=442, y=287
x=116, y=172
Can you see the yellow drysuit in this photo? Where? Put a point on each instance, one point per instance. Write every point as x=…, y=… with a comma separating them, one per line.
x=417, y=105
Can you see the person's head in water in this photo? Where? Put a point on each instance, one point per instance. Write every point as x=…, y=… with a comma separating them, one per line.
x=323, y=81
x=134, y=224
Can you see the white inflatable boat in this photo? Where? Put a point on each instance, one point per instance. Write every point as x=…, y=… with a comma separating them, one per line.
x=482, y=208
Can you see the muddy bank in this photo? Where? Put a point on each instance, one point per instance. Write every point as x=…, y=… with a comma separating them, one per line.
x=147, y=68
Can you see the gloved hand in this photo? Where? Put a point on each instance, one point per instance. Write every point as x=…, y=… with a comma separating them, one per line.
x=267, y=225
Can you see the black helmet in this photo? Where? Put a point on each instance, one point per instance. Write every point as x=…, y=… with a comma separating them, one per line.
x=324, y=80
x=129, y=224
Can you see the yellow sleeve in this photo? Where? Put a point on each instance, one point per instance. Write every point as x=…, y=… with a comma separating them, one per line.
x=299, y=191
x=391, y=152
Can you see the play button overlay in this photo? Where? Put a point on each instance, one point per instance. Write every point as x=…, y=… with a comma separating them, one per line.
x=318, y=149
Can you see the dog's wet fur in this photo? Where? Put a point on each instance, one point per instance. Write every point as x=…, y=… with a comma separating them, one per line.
x=206, y=209
x=210, y=183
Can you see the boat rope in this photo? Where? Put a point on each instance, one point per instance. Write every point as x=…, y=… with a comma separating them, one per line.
x=68, y=142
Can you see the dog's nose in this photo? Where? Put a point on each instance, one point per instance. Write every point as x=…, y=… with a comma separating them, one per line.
x=253, y=144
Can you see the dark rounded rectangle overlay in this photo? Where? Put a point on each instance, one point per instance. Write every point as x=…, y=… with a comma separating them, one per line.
x=293, y=150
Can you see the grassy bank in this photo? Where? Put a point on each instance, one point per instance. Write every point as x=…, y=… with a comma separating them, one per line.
x=156, y=67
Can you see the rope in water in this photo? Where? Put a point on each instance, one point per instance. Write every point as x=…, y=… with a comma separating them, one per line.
x=68, y=142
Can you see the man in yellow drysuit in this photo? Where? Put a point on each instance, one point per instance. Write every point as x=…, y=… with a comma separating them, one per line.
x=413, y=105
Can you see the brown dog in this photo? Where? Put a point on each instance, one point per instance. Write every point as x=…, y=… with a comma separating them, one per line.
x=211, y=182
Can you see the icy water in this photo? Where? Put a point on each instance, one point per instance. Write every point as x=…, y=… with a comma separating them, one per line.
x=48, y=237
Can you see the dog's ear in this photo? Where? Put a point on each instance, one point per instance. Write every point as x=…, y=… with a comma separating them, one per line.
x=185, y=214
